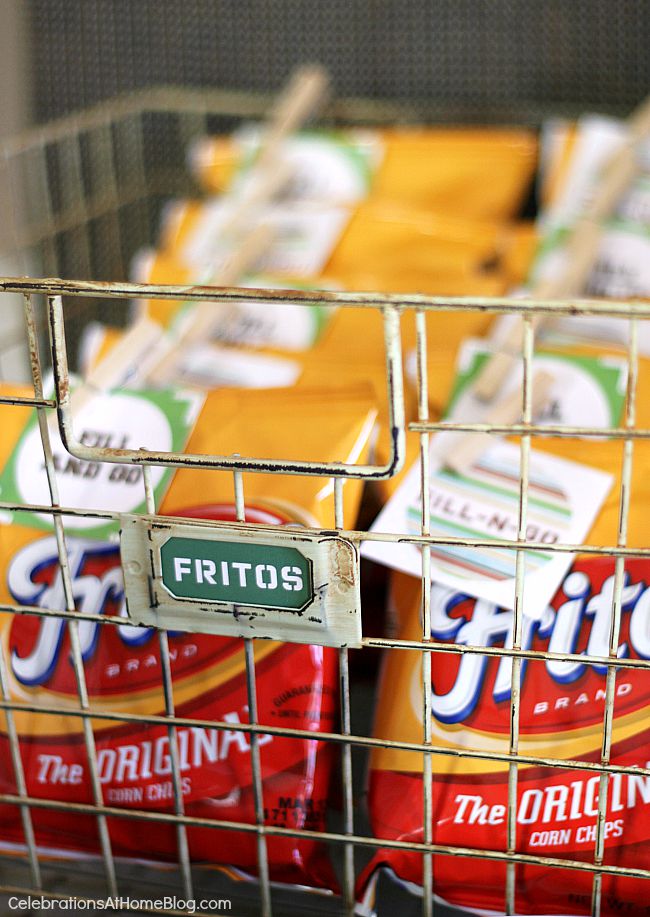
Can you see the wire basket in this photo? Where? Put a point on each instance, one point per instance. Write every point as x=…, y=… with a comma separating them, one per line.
x=87, y=194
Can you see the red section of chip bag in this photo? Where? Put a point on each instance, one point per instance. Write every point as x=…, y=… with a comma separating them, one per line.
x=297, y=686
x=561, y=716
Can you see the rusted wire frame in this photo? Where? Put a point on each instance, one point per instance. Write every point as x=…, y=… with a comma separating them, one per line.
x=391, y=306
x=396, y=423
x=256, y=761
x=170, y=711
x=324, y=836
x=425, y=522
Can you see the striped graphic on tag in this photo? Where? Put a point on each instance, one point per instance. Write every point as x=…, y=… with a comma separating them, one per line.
x=485, y=504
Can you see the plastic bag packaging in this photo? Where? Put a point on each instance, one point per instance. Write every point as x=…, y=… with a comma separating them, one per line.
x=378, y=245
x=296, y=684
x=575, y=158
x=474, y=172
x=278, y=326
x=403, y=253
x=561, y=717
x=353, y=347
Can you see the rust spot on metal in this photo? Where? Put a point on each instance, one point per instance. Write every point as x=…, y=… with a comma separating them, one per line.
x=344, y=566
x=62, y=385
x=33, y=356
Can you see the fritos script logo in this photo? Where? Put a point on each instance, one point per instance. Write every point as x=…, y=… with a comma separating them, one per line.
x=40, y=647
x=34, y=578
x=559, y=692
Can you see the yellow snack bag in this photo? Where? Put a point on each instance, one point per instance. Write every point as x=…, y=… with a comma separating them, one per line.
x=475, y=172
x=277, y=326
x=379, y=246
x=607, y=455
x=354, y=345
x=299, y=424
x=395, y=248
x=588, y=390
x=353, y=341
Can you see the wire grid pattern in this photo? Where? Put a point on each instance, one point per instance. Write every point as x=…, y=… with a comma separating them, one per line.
x=348, y=838
x=87, y=191
x=102, y=167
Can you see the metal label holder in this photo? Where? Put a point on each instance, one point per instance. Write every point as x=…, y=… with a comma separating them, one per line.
x=239, y=580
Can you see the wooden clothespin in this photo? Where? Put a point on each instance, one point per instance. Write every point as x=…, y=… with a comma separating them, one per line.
x=306, y=93
x=464, y=451
x=146, y=353
x=158, y=367
x=581, y=249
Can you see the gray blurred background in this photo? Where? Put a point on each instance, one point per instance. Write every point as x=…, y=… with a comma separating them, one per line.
x=480, y=58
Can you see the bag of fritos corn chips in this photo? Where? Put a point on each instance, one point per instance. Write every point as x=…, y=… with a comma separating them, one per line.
x=562, y=705
x=297, y=685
